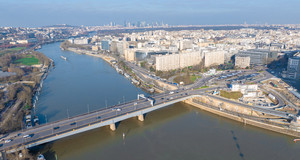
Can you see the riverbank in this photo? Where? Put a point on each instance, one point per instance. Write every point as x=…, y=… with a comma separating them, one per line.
x=38, y=88
x=108, y=59
x=17, y=91
x=120, y=68
x=246, y=120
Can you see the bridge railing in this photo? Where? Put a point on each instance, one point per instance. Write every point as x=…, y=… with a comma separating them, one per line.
x=137, y=109
x=78, y=127
x=76, y=116
x=95, y=121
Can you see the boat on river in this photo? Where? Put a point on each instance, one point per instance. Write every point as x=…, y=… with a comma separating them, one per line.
x=295, y=140
x=65, y=58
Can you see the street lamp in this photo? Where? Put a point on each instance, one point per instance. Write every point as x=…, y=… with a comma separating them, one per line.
x=68, y=113
x=52, y=128
x=22, y=126
x=164, y=94
x=46, y=118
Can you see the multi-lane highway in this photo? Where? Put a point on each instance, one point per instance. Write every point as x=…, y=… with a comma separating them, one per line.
x=55, y=130
x=138, y=70
x=72, y=124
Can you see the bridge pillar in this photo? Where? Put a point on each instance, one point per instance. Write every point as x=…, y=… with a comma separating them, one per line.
x=112, y=126
x=141, y=117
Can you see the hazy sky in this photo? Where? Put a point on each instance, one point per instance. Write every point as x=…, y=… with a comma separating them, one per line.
x=31, y=13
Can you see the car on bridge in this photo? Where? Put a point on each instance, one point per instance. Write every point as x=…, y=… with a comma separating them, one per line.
x=56, y=128
x=8, y=140
x=28, y=136
x=116, y=109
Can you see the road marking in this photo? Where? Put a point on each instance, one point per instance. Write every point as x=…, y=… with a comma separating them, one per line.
x=131, y=104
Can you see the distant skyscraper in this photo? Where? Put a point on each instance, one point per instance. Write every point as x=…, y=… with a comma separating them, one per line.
x=138, y=24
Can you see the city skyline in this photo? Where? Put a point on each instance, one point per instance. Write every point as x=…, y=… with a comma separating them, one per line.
x=92, y=13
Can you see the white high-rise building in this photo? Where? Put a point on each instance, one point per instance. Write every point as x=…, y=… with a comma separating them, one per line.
x=293, y=69
x=213, y=57
x=176, y=61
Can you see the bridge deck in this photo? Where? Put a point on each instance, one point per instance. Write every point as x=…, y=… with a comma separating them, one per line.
x=81, y=123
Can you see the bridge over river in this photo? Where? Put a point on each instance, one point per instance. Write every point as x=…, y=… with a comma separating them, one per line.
x=106, y=117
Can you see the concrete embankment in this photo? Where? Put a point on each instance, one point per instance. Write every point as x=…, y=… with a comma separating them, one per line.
x=244, y=119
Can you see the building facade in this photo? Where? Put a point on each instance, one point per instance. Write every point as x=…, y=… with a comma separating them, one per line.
x=293, y=68
x=105, y=45
x=242, y=61
x=213, y=58
x=175, y=61
x=257, y=56
x=81, y=41
x=248, y=90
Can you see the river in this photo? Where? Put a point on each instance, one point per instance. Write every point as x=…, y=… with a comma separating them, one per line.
x=180, y=131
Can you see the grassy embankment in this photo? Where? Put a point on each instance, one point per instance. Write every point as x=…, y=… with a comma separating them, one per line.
x=186, y=79
x=11, y=50
x=194, y=77
x=231, y=95
x=203, y=87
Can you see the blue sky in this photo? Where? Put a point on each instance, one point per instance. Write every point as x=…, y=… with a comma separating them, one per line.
x=32, y=13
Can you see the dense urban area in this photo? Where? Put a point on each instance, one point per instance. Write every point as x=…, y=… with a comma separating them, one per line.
x=249, y=73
